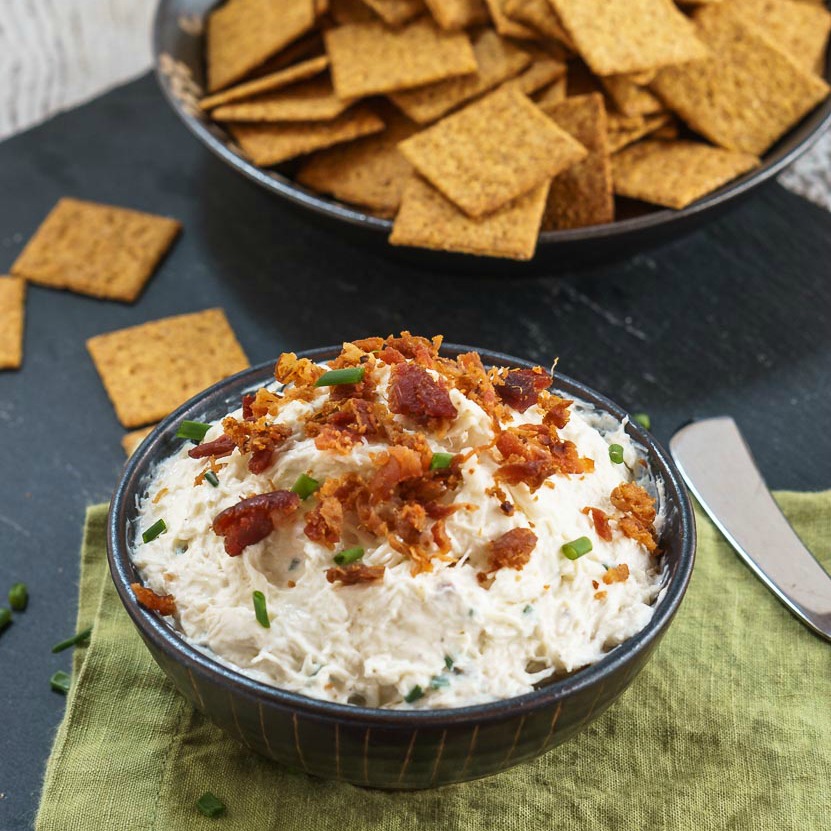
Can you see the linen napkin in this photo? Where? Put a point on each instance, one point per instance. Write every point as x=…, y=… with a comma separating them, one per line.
x=728, y=727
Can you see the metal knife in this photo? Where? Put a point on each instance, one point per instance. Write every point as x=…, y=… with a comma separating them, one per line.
x=719, y=469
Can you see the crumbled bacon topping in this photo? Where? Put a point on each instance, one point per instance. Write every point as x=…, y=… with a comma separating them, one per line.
x=324, y=523
x=556, y=409
x=520, y=388
x=223, y=446
x=415, y=393
x=259, y=437
x=298, y=371
x=601, y=523
x=355, y=573
x=253, y=519
x=638, y=509
x=511, y=550
x=247, y=401
x=164, y=604
x=616, y=574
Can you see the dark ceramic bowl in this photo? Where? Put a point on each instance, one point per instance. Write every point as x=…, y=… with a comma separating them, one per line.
x=393, y=748
x=178, y=50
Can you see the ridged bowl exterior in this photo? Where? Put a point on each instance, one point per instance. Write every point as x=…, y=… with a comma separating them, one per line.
x=393, y=748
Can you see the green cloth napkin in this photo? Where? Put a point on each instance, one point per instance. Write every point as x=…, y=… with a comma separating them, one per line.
x=728, y=727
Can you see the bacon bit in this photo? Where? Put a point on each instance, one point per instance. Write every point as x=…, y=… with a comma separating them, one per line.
x=355, y=573
x=638, y=509
x=298, y=371
x=324, y=523
x=389, y=355
x=253, y=519
x=369, y=344
x=395, y=465
x=474, y=382
x=601, y=523
x=512, y=550
x=260, y=438
x=247, y=401
x=533, y=452
x=223, y=446
x=600, y=595
x=424, y=352
x=415, y=393
x=291, y=584
x=520, y=388
x=265, y=403
x=556, y=409
x=164, y=604
x=341, y=424
x=159, y=495
x=616, y=574
x=595, y=584
x=440, y=538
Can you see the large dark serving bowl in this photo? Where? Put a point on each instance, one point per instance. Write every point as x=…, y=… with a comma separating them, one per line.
x=178, y=50
x=393, y=748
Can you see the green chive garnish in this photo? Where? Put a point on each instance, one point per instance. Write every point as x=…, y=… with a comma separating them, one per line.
x=212, y=478
x=18, y=597
x=616, y=454
x=440, y=461
x=73, y=641
x=334, y=377
x=210, y=805
x=260, y=610
x=644, y=420
x=577, y=548
x=158, y=527
x=439, y=681
x=305, y=486
x=527, y=610
x=349, y=555
x=5, y=617
x=194, y=430
x=448, y=662
x=60, y=682
x=414, y=694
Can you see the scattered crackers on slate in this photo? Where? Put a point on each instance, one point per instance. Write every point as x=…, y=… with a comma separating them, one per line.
x=150, y=369
x=100, y=250
x=12, y=305
x=476, y=124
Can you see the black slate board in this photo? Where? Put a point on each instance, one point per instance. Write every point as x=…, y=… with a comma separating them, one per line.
x=735, y=318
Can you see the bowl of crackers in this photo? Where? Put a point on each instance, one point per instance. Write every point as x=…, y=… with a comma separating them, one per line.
x=490, y=133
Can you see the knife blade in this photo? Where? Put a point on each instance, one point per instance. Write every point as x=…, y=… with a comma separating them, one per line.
x=719, y=469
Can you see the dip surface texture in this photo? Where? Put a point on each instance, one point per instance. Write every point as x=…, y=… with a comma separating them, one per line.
x=460, y=486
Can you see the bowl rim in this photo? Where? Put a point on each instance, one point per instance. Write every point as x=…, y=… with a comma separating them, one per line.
x=168, y=640
x=816, y=121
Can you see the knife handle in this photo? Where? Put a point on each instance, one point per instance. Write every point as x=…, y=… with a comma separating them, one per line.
x=719, y=469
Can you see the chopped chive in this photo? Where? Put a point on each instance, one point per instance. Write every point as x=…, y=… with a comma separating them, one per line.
x=210, y=805
x=440, y=461
x=193, y=430
x=349, y=555
x=80, y=637
x=577, y=548
x=334, y=377
x=439, y=681
x=448, y=662
x=528, y=609
x=18, y=597
x=157, y=528
x=305, y=486
x=212, y=478
x=616, y=454
x=261, y=611
x=644, y=420
x=5, y=617
x=60, y=682
x=414, y=694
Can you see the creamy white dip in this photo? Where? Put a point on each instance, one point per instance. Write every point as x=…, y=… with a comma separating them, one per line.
x=460, y=642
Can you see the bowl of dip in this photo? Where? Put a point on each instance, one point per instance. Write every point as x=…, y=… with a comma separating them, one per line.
x=398, y=563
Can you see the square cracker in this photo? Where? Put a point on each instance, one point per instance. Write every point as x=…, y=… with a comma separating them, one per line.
x=627, y=129
x=507, y=26
x=131, y=441
x=369, y=58
x=799, y=29
x=492, y=151
x=630, y=96
x=582, y=195
x=313, y=100
x=274, y=80
x=369, y=172
x=497, y=58
x=618, y=36
x=675, y=173
x=427, y=220
x=396, y=12
x=150, y=369
x=747, y=94
x=95, y=249
x=553, y=94
x=539, y=15
x=541, y=73
x=458, y=14
x=242, y=34
x=267, y=144
x=12, y=305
